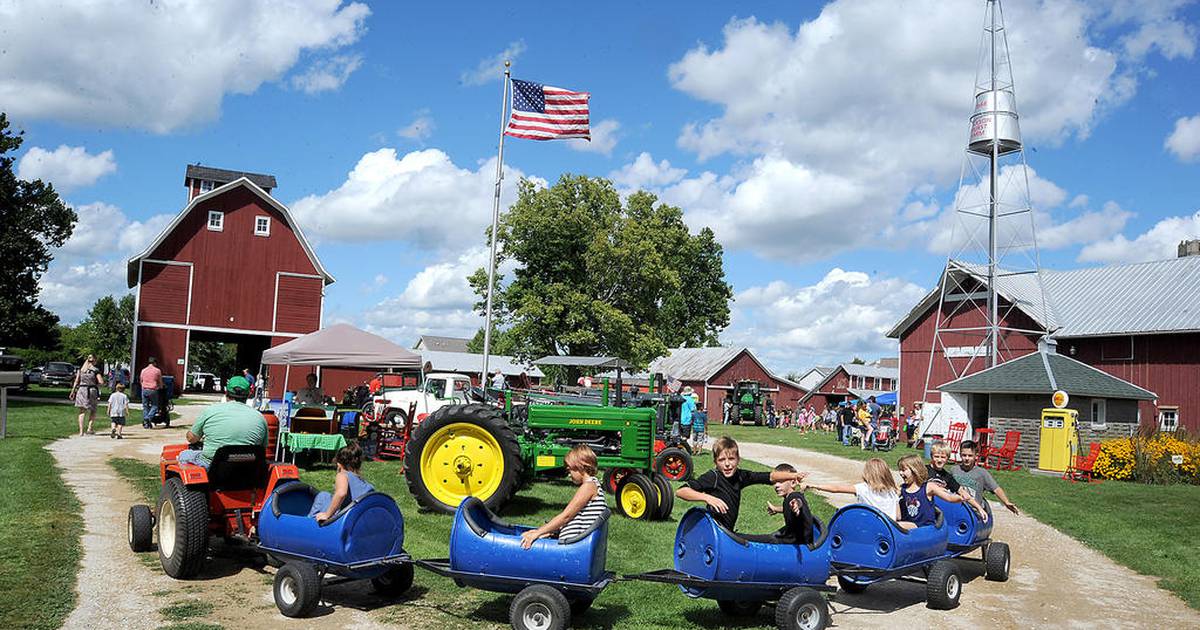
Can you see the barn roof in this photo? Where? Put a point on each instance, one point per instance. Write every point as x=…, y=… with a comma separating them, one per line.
x=131, y=271
x=694, y=364
x=1028, y=375
x=442, y=344
x=855, y=369
x=468, y=363
x=223, y=176
x=1138, y=298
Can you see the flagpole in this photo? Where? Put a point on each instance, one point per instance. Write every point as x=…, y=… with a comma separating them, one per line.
x=487, y=326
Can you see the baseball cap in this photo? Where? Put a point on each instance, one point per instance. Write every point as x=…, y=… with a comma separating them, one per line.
x=238, y=386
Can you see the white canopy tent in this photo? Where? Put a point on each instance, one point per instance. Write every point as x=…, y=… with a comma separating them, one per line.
x=341, y=345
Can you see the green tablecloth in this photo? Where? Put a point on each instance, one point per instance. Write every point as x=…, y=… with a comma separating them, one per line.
x=301, y=441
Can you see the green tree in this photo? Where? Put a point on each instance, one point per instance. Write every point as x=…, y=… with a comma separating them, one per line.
x=857, y=361
x=215, y=357
x=595, y=276
x=108, y=328
x=33, y=222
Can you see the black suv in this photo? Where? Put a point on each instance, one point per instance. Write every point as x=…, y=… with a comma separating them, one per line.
x=58, y=373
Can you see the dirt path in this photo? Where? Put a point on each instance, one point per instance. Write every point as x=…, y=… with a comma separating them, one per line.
x=1055, y=580
x=122, y=590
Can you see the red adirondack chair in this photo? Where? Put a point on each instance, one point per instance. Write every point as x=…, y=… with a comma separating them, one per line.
x=955, y=438
x=1007, y=452
x=1081, y=466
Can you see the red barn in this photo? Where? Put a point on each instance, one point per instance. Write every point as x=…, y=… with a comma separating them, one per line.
x=232, y=267
x=1136, y=322
x=851, y=381
x=712, y=373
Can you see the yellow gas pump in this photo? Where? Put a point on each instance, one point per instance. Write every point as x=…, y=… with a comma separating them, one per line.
x=1059, y=439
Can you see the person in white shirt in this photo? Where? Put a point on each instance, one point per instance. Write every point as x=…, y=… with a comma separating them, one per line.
x=498, y=381
x=877, y=489
x=118, y=407
x=311, y=395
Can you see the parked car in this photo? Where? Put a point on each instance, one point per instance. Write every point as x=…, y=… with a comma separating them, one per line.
x=34, y=375
x=58, y=373
x=439, y=390
x=14, y=363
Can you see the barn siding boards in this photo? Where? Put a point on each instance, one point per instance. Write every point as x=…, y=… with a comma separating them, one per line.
x=168, y=345
x=298, y=303
x=164, y=292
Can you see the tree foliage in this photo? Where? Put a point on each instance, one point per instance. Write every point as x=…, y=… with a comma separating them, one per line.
x=108, y=329
x=215, y=357
x=595, y=276
x=33, y=222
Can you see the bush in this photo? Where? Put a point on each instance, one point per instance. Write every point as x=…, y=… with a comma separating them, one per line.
x=1149, y=458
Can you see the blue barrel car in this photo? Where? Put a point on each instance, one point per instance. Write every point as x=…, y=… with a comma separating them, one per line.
x=362, y=540
x=968, y=533
x=867, y=546
x=742, y=572
x=552, y=580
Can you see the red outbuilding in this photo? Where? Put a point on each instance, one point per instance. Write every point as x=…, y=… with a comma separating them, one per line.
x=232, y=267
x=712, y=373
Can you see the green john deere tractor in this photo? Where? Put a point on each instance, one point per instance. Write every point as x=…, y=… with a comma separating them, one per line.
x=746, y=403
x=488, y=452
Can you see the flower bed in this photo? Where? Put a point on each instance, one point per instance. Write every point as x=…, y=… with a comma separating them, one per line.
x=1151, y=459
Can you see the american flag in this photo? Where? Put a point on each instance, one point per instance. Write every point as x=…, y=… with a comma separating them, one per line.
x=673, y=384
x=543, y=112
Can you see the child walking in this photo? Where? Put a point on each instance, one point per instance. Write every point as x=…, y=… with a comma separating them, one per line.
x=118, y=407
x=877, y=489
x=348, y=484
x=584, y=509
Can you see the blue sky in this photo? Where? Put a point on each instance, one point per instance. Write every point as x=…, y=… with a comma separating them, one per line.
x=822, y=142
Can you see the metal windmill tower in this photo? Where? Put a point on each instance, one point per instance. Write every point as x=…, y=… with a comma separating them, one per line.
x=991, y=291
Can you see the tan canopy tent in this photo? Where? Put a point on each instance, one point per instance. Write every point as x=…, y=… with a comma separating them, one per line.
x=342, y=345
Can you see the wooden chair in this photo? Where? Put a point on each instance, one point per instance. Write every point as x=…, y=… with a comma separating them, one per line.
x=1081, y=466
x=1007, y=452
x=957, y=431
x=983, y=443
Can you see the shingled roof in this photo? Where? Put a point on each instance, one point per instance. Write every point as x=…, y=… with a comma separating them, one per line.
x=1027, y=375
x=222, y=176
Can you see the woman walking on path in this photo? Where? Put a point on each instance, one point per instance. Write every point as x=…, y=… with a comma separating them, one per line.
x=86, y=392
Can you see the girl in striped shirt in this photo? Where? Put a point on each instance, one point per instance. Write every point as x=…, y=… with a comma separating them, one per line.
x=584, y=509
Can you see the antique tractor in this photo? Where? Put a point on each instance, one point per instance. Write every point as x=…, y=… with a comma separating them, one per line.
x=745, y=403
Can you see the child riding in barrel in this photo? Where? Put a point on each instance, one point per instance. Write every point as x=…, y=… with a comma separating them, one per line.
x=721, y=488
x=917, y=493
x=584, y=509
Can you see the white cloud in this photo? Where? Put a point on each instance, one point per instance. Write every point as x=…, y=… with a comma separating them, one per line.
x=1159, y=242
x=69, y=290
x=437, y=300
x=833, y=132
x=421, y=198
x=644, y=172
x=845, y=314
x=327, y=75
x=68, y=168
x=420, y=128
x=492, y=68
x=604, y=138
x=158, y=65
x=1184, y=141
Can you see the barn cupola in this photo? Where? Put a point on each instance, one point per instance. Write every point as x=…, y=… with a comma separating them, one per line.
x=201, y=179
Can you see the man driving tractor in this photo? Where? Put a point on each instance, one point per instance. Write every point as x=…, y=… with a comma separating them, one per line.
x=230, y=423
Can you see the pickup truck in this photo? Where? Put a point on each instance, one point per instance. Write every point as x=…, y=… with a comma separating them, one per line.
x=439, y=390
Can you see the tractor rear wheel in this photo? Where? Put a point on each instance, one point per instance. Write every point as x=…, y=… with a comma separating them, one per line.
x=182, y=529
x=637, y=497
x=675, y=463
x=666, y=496
x=461, y=451
x=613, y=477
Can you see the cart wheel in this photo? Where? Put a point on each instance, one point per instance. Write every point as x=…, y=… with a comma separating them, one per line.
x=802, y=609
x=996, y=562
x=540, y=607
x=666, y=496
x=739, y=608
x=675, y=463
x=944, y=586
x=395, y=582
x=613, y=477
x=580, y=605
x=850, y=586
x=637, y=497
x=297, y=589
x=141, y=528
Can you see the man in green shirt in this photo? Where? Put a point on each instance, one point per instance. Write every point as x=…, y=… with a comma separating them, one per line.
x=230, y=423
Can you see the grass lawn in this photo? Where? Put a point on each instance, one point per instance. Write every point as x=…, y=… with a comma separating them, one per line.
x=634, y=546
x=61, y=393
x=40, y=523
x=1150, y=529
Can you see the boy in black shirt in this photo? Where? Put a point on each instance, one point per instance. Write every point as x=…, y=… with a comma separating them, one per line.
x=721, y=487
x=797, y=518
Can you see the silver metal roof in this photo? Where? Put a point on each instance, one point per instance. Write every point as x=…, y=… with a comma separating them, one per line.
x=467, y=363
x=694, y=364
x=589, y=362
x=870, y=371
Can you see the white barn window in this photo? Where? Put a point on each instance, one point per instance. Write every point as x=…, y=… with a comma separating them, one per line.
x=216, y=221
x=207, y=185
x=1168, y=418
x=262, y=226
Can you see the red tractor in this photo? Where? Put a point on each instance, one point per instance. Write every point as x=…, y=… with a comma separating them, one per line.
x=195, y=503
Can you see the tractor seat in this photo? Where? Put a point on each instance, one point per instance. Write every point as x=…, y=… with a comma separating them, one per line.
x=240, y=467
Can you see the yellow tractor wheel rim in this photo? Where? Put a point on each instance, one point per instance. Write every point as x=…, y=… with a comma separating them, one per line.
x=461, y=460
x=633, y=500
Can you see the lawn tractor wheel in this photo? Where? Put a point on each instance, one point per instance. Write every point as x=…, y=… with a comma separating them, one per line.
x=850, y=586
x=297, y=589
x=182, y=529
x=637, y=497
x=461, y=451
x=675, y=463
x=802, y=609
x=140, y=528
x=944, y=586
x=613, y=478
x=996, y=562
x=666, y=496
x=739, y=608
x=395, y=582
x=540, y=607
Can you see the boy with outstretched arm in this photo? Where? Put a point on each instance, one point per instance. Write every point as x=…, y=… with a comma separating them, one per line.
x=976, y=480
x=721, y=488
x=797, y=517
